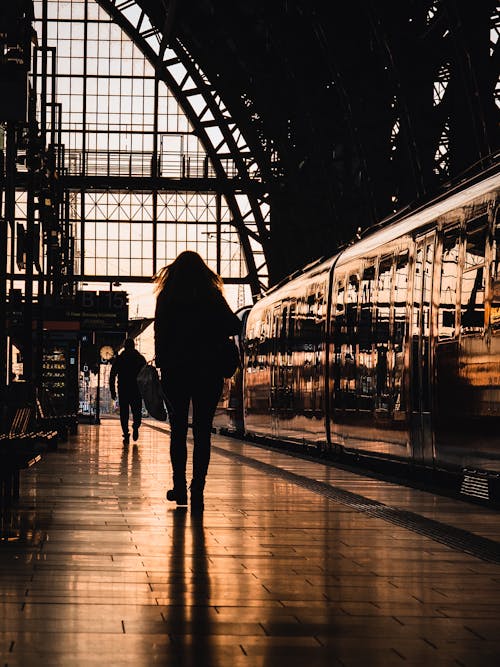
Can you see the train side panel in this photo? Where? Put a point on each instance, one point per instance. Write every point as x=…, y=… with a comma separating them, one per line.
x=392, y=348
x=414, y=369
x=467, y=340
x=368, y=369
x=229, y=412
x=258, y=418
x=299, y=362
x=285, y=361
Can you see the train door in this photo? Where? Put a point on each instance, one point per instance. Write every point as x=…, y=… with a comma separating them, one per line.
x=286, y=345
x=421, y=360
x=276, y=371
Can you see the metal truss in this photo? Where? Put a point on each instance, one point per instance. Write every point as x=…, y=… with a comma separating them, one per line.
x=226, y=147
x=456, y=135
x=435, y=101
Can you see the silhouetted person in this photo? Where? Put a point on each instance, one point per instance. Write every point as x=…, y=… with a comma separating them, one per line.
x=126, y=366
x=191, y=321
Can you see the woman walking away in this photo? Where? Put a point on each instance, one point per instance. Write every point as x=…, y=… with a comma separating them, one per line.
x=192, y=320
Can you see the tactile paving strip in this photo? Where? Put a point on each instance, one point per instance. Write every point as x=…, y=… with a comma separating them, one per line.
x=456, y=538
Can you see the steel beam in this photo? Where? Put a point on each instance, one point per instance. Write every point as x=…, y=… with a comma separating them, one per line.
x=195, y=83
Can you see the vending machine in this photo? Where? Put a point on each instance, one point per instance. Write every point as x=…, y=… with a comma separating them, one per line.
x=60, y=371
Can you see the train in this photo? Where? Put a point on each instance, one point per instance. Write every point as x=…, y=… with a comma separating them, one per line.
x=390, y=349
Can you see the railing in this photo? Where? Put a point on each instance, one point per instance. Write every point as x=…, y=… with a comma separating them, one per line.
x=137, y=164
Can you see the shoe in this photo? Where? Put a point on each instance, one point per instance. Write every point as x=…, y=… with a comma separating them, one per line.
x=178, y=495
x=126, y=439
x=135, y=433
x=197, y=504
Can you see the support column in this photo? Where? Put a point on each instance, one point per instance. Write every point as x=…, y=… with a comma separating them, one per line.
x=3, y=286
x=8, y=221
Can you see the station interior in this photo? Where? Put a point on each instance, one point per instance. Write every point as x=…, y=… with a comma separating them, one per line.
x=269, y=138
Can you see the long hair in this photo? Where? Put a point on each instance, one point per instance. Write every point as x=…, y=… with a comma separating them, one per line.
x=187, y=278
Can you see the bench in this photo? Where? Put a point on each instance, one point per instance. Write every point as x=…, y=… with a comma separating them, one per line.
x=64, y=424
x=21, y=446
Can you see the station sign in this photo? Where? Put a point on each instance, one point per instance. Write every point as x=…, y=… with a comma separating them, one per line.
x=89, y=311
x=102, y=311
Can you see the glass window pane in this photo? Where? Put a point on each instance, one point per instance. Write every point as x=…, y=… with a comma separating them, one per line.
x=473, y=280
x=400, y=296
x=383, y=300
x=110, y=111
x=352, y=303
x=495, y=297
x=449, y=284
x=366, y=308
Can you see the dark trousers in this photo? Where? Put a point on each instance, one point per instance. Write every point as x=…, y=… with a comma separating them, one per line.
x=127, y=400
x=203, y=390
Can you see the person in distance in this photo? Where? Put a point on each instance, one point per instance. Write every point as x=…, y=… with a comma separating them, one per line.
x=126, y=366
x=192, y=319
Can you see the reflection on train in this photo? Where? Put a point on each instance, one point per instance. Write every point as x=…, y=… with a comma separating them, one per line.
x=391, y=348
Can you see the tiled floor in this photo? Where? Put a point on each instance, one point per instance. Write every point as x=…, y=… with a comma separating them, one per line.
x=96, y=568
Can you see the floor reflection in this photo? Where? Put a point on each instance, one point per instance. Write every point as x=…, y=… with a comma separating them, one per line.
x=187, y=616
x=96, y=568
x=201, y=592
x=21, y=526
x=130, y=472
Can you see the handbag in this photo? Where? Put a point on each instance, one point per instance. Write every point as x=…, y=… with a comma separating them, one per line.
x=229, y=357
x=151, y=391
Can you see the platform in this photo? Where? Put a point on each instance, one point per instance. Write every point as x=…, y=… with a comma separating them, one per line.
x=293, y=562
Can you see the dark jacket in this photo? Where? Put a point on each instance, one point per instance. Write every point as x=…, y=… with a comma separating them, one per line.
x=126, y=366
x=187, y=333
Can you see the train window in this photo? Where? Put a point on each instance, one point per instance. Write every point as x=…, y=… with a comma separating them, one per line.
x=352, y=303
x=339, y=316
x=299, y=318
x=291, y=324
x=366, y=304
x=340, y=297
x=320, y=303
x=382, y=334
x=346, y=396
x=426, y=292
x=475, y=243
x=264, y=327
x=309, y=323
x=495, y=296
x=382, y=316
x=283, y=329
x=449, y=282
x=365, y=371
x=417, y=291
x=473, y=279
x=400, y=297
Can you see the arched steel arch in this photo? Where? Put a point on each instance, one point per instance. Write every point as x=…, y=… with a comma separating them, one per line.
x=205, y=109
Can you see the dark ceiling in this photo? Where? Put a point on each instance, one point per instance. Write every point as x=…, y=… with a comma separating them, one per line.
x=337, y=102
